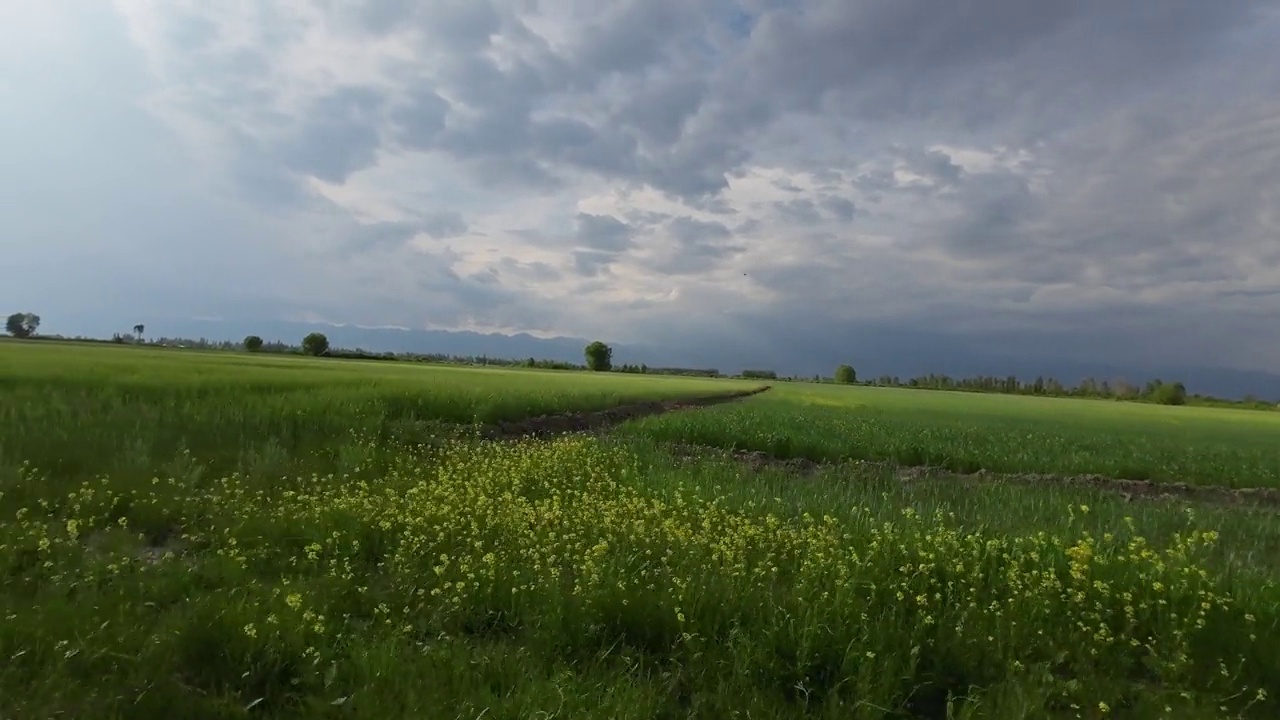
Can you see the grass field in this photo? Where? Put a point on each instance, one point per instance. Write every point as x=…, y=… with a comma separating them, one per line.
x=80, y=411
x=190, y=535
x=1013, y=434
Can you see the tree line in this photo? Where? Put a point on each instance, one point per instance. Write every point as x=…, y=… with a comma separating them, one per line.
x=598, y=357
x=1157, y=390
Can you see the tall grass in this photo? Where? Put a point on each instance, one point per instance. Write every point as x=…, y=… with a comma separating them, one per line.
x=572, y=576
x=1232, y=448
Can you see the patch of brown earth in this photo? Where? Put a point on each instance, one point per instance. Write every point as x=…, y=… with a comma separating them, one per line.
x=601, y=419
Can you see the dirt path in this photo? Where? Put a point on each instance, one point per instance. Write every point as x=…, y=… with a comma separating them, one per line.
x=1129, y=490
x=609, y=417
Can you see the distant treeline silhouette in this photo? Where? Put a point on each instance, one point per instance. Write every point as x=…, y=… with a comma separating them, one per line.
x=1152, y=391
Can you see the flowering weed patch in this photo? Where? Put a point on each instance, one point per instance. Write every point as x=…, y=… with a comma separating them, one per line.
x=548, y=576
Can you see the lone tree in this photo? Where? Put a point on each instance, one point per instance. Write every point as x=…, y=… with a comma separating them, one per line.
x=253, y=343
x=1167, y=393
x=138, y=330
x=846, y=375
x=22, y=325
x=315, y=344
x=599, y=357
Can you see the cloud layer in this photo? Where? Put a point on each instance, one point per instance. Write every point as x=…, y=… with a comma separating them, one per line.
x=1096, y=179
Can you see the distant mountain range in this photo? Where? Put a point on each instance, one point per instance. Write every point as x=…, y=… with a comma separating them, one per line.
x=901, y=353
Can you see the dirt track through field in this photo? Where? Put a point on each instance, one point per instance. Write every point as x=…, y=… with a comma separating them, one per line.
x=607, y=418
x=1129, y=490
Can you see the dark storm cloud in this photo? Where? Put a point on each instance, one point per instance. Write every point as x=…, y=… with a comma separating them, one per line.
x=934, y=165
x=969, y=64
x=632, y=35
x=690, y=231
x=840, y=208
x=700, y=245
x=683, y=121
x=443, y=224
x=603, y=233
x=439, y=225
x=381, y=16
x=589, y=263
x=1124, y=154
x=646, y=135
x=338, y=135
x=996, y=211
x=874, y=182
x=1137, y=209
x=659, y=111
x=575, y=143
x=461, y=24
x=536, y=271
x=488, y=276
x=713, y=205
x=801, y=211
x=262, y=181
x=420, y=119
x=382, y=234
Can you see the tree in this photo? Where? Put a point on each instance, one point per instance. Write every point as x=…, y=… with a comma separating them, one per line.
x=599, y=357
x=139, y=329
x=315, y=344
x=846, y=375
x=253, y=343
x=22, y=325
x=1168, y=393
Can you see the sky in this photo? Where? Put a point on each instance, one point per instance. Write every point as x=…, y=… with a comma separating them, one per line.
x=1097, y=179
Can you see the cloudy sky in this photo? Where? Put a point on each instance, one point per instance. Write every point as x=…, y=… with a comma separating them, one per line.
x=1092, y=178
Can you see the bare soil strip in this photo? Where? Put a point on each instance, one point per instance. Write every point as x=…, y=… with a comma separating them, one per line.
x=547, y=425
x=1261, y=497
x=601, y=419
x=1129, y=490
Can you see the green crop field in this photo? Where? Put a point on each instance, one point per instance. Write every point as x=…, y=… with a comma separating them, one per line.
x=83, y=410
x=1002, y=433
x=221, y=535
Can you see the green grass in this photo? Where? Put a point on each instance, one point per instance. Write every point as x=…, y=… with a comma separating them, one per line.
x=605, y=581
x=199, y=535
x=79, y=410
x=1250, y=536
x=967, y=431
